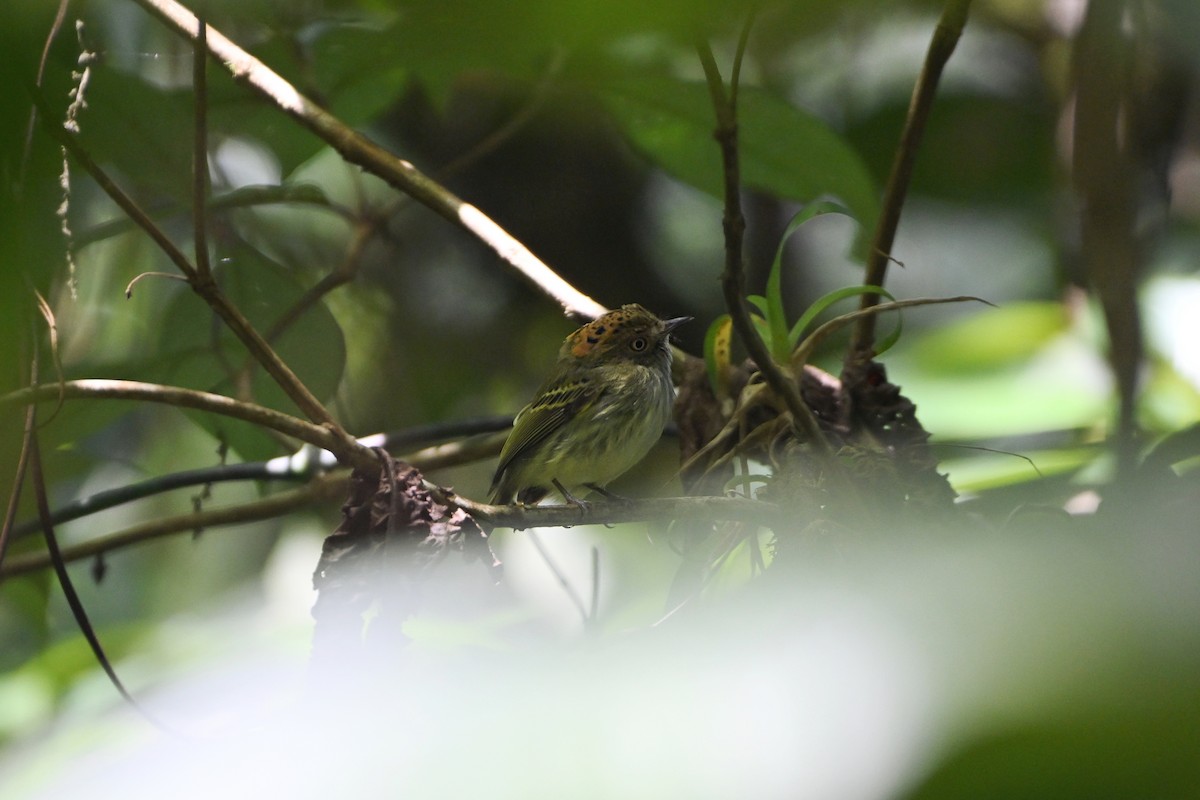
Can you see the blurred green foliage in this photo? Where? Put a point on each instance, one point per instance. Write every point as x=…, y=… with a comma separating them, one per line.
x=584, y=130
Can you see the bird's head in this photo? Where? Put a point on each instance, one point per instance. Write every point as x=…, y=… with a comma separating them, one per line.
x=628, y=334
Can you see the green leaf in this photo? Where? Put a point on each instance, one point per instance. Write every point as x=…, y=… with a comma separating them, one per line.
x=784, y=150
x=781, y=341
x=717, y=354
x=762, y=327
x=776, y=317
x=144, y=131
x=810, y=211
x=826, y=301
x=759, y=302
x=890, y=340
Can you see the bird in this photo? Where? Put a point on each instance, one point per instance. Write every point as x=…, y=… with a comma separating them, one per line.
x=602, y=408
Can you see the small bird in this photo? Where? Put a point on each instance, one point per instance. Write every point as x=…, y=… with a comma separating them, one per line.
x=600, y=411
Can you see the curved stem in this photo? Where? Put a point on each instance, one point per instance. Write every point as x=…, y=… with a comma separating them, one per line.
x=318, y=435
x=733, y=279
x=945, y=39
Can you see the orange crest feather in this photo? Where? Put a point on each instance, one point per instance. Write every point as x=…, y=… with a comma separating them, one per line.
x=587, y=338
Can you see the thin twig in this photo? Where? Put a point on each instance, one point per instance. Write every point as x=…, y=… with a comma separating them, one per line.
x=88, y=504
x=594, y=610
x=941, y=46
x=142, y=275
x=357, y=149
x=200, y=151
x=805, y=349
x=576, y=600
x=453, y=454
x=55, y=355
x=733, y=279
x=751, y=395
x=735, y=74
x=14, y=497
x=54, y=556
x=344, y=273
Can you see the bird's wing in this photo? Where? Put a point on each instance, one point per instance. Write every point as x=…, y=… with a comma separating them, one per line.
x=556, y=404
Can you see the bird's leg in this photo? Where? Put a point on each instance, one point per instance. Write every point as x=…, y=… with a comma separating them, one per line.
x=582, y=505
x=606, y=494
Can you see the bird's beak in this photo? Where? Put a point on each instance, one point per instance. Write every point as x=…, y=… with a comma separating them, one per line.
x=671, y=324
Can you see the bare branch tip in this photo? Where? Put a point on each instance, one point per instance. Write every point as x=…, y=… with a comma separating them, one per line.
x=129, y=287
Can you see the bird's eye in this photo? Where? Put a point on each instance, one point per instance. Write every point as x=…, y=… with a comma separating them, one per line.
x=639, y=344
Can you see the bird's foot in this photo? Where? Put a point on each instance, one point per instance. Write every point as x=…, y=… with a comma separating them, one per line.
x=582, y=505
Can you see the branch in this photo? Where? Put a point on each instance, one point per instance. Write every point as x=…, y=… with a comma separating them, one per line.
x=1109, y=181
x=54, y=557
x=805, y=349
x=358, y=149
x=322, y=489
x=332, y=486
x=519, y=517
x=300, y=466
x=104, y=499
x=14, y=497
x=733, y=279
x=342, y=444
x=452, y=454
x=318, y=435
x=200, y=154
x=7, y=529
x=945, y=39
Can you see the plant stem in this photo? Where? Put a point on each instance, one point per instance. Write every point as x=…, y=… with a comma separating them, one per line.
x=733, y=278
x=941, y=46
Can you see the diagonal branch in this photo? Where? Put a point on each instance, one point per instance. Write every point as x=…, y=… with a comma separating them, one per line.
x=342, y=444
x=54, y=558
x=358, y=149
x=945, y=39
